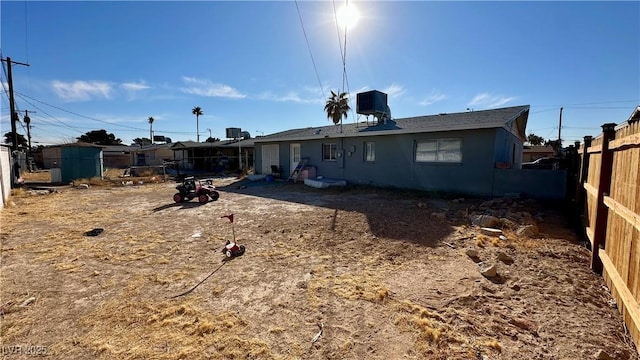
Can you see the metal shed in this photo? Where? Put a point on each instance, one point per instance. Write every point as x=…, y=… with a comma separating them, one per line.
x=80, y=160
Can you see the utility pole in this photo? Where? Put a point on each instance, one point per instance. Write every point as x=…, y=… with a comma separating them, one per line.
x=27, y=120
x=560, y=130
x=12, y=103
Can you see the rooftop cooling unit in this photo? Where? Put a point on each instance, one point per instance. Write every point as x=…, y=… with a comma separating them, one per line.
x=371, y=102
x=233, y=133
x=374, y=103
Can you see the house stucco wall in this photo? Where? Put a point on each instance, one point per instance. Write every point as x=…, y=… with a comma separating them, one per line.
x=394, y=163
x=508, y=149
x=483, y=152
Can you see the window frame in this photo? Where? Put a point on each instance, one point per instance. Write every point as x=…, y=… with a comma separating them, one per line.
x=439, y=152
x=369, y=156
x=332, y=154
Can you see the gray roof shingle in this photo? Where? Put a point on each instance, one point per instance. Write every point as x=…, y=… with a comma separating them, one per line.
x=483, y=119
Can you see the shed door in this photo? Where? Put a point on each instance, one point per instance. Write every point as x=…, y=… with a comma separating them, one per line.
x=270, y=156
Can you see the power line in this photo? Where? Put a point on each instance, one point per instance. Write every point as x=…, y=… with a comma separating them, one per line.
x=541, y=111
x=101, y=121
x=546, y=128
x=593, y=103
x=82, y=116
x=6, y=76
x=596, y=107
x=44, y=112
x=343, y=54
x=309, y=48
x=581, y=128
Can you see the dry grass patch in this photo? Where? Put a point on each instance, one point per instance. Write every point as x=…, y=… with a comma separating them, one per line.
x=37, y=176
x=360, y=287
x=378, y=296
x=131, y=326
x=437, y=333
x=485, y=240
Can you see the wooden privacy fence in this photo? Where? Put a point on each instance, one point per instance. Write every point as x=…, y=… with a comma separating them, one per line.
x=610, y=198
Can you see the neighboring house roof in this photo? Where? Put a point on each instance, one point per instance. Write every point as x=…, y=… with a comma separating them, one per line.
x=181, y=145
x=242, y=143
x=82, y=144
x=118, y=148
x=153, y=147
x=509, y=118
x=77, y=144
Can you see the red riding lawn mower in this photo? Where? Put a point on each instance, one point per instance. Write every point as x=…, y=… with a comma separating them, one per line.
x=190, y=188
x=232, y=249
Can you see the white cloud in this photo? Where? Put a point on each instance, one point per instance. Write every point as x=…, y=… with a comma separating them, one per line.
x=394, y=90
x=210, y=89
x=489, y=100
x=81, y=90
x=134, y=86
x=291, y=96
x=434, y=97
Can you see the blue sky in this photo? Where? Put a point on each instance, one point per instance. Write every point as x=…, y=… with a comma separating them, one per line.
x=111, y=65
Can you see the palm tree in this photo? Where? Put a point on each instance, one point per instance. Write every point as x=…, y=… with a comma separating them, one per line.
x=197, y=111
x=151, y=120
x=337, y=107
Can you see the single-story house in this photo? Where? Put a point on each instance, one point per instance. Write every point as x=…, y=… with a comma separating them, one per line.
x=458, y=152
x=117, y=156
x=51, y=156
x=151, y=155
x=534, y=152
x=214, y=157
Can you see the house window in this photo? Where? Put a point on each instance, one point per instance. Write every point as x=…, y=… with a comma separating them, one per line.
x=439, y=150
x=369, y=151
x=329, y=152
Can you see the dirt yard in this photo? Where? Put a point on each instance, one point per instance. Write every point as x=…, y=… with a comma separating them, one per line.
x=367, y=274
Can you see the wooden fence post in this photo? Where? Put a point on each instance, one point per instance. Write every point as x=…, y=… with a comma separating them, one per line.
x=604, y=186
x=584, y=168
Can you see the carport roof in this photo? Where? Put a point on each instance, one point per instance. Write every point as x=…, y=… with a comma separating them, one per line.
x=180, y=145
x=513, y=119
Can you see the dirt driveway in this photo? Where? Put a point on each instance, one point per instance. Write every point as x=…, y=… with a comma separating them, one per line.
x=366, y=274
